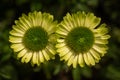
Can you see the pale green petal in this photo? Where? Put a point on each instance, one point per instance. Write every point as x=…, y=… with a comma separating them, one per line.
x=62, y=31
x=41, y=57
x=14, y=33
x=90, y=58
x=17, y=47
x=75, y=61
x=23, y=58
x=62, y=51
x=86, y=59
x=65, y=25
x=81, y=60
x=15, y=39
x=70, y=61
x=75, y=20
x=38, y=18
x=53, y=27
x=59, y=45
x=18, y=24
x=95, y=23
x=18, y=29
x=89, y=19
x=101, y=41
x=34, y=58
x=51, y=49
x=24, y=20
x=92, y=21
x=45, y=54
x=67, y=56
x=95, y=54
x=28, y=58
x=82, y=17
x=105, y=37
x=47, y=23
x=101, y=50
x=32, y=19
x=68, y=20
x=22, y=53
x=60, y=40
x=50, y=54
x=101, y=30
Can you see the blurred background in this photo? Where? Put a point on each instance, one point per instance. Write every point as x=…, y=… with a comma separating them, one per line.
x=107, y=69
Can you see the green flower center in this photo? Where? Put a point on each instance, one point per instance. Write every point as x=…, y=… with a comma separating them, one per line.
x=80, y=39
x=35, y=39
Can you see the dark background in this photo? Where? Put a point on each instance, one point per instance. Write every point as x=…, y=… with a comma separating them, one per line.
x=107, y=69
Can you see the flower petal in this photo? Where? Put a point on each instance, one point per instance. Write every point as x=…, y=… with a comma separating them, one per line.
x=15, y=39
x=45, y=54
x=17, y=47
x=75, y=61
x=41, y=57
x=70, y=61
x=22, y=53
x=64, y=50
x=14, y=33
x=67, y=56
x=81, y=60
x=86, y=59
x=90, y=59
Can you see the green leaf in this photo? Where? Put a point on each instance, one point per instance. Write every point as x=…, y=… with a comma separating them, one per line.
x=76, y=73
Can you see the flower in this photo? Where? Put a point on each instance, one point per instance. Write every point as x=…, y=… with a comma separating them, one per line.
x=31, y=37
x=81, y=39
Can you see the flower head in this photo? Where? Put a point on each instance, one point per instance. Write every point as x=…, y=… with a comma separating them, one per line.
x=81, y=39
x=31, y=37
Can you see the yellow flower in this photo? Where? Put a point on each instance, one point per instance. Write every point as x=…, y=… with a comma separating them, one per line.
x=31, y=37
x=81, y=39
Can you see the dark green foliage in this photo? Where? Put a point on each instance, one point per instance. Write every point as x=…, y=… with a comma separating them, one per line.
x=107, y=69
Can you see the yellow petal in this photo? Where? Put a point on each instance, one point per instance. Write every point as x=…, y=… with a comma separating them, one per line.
x=95, y=23
x=90, y=59
x=101, y=50
x=41, y=57
x=68, y=20
x=15, y=39
x=64, y=50
x=75, y=20
x=101, y=30
x=14, y=33
x=60, y=40
x=34, y=58
x=86, y=59
x=82, y=17
x=67, y=56
x=95, y=54
x=65, y=25
x=22, y=53
x=75, y=61
x=51, y=49
x=62, y=31
x=25, y=20
x=18, y=29
x=81, y=60
x=17, y=47
x=28, y=57
x=45, y=54
x=18, y=24
x=59, y=45
x=101, y=41
x=70, y=61
x=89, y=19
